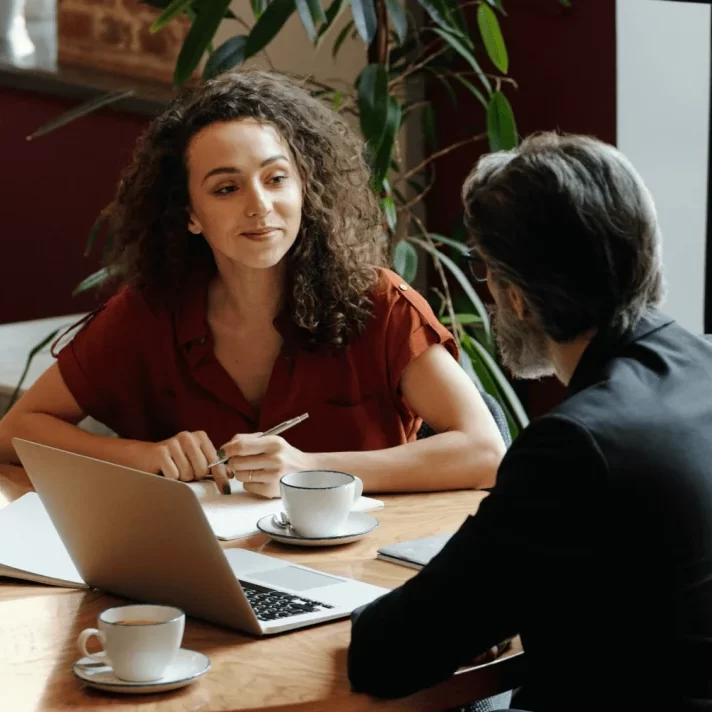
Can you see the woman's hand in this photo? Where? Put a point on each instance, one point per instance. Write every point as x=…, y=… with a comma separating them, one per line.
x=259, y=462
x=183, y=457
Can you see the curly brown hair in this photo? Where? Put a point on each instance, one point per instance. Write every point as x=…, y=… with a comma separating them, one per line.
x=331, y=267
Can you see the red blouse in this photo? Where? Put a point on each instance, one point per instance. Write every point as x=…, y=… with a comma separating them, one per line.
x=148, y=373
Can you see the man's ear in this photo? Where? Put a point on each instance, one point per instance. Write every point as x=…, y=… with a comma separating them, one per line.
x=517, y=302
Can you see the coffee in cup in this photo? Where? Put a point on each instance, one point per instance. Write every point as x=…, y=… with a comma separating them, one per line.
x=318, y=502
x=140, y=641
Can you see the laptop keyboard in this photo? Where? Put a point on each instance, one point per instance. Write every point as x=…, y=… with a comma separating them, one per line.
x=269, y=605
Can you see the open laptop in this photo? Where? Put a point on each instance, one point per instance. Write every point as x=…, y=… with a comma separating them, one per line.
x=147, y=538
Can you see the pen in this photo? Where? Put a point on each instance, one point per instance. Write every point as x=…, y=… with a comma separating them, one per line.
x=286, y=425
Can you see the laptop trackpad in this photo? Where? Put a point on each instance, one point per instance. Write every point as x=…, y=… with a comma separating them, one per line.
x=294, y=578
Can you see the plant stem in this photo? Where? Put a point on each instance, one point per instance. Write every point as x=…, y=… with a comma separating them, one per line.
x=412, y=107
x=407, y=206
x=438, y=154
x=378, y=49
x=496, y=77
x=415, y=67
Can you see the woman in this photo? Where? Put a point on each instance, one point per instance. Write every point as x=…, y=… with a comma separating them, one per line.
x=248, y=249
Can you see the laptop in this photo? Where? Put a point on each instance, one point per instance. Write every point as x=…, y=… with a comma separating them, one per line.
x=147, y=538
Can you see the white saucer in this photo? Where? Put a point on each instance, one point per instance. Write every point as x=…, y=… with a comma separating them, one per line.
x=357, y=525
x=188, y=665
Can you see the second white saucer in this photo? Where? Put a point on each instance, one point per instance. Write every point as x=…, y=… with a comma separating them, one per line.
x=187, y=666
x=357, y=525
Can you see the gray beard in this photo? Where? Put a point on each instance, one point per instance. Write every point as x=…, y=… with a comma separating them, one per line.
x=522, y=345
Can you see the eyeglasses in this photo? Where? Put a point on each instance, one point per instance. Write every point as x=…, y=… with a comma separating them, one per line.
x=476, y=265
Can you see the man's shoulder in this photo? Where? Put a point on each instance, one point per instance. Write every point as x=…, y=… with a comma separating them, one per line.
x=552, y=441
x=649, y=409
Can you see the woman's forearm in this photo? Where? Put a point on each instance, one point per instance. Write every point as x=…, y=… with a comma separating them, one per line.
x=52, y=431
x=452, y=460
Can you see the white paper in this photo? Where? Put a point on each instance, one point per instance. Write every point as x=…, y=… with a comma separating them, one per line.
x=236, y=515
x=30, y=547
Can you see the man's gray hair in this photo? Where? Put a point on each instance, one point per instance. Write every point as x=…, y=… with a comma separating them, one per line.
x=569, y=222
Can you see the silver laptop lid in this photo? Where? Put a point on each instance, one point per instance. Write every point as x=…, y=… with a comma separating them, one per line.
x=137, y=535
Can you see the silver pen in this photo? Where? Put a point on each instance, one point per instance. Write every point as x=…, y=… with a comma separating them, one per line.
x=286, y=425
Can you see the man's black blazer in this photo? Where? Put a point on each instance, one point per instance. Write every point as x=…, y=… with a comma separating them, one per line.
x=595, y=546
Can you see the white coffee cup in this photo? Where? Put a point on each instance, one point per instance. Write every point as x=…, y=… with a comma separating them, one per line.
x=318, y=502
x=140, y=641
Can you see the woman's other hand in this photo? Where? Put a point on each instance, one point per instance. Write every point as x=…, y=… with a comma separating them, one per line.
x=183, y=457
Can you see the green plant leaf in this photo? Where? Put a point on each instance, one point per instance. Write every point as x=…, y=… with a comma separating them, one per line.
x=304, y=12
x=402, y=53
x=373, y=104
x=258, y=7
x=565, y=3
x=396, y=11
x=317, y=11
x=457, y=14
x=443, y=80
x=483, y=374
x=30, y=358
x=439, y=15
x=459, y=275
x=462, y=319
x=93, y=233
x=449, y=241
x=199, y=37
x=163, y=4
x=430, y=135
x=336, y=101
x=268, y=26
x=460, y=48
x=332, y=12
x=405, y=260
x=365, y=19
x=497, y=5
x=504, y=386
x=501, y=128
x=92, y=281
x=492, y=37
x=385, y=149
x=487, y=380
x=389, y=210
x=311, y=13
x=340, y=39
x=175, y=8
x=77, y=112
x=228, y=55
x=472, y=89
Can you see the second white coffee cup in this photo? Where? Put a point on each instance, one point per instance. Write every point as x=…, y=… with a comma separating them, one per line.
x=140, y=641
x=318, y=502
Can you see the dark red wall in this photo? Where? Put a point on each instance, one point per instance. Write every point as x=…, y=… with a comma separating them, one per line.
x=51, y=191
x=564, y=62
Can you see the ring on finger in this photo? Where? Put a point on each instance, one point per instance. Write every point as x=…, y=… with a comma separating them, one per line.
x=249, y=477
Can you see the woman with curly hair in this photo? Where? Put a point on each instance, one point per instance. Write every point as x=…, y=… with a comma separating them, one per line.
x=248, y=251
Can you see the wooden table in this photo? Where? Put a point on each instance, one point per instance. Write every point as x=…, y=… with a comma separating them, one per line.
x=302, y=671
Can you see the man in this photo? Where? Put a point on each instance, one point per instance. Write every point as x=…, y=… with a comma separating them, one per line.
x=595, y=545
